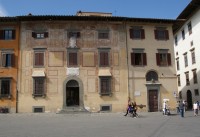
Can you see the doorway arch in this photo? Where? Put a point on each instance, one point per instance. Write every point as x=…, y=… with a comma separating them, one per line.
x=189, y=99
x=72, y=92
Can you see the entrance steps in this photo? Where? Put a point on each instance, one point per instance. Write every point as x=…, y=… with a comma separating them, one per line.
x=74, y=110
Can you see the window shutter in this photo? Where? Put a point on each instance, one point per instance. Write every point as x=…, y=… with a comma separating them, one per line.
x=166, y=34
x=3, y=60
x=156, y=34
x=1, y=34
x=132, y=58
x=36, y=59
x=158, y=59
x=13, y=34
x=106, y=62
x=144, y=59
x=72, y=59
x=41, y=59
x=33, y=34
x=142, y=34
x=131, y=33
x=12, y=60
x=46, y=34
x=169, y=59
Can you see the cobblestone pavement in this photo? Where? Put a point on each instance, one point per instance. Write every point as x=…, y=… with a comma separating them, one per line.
x=99, y=125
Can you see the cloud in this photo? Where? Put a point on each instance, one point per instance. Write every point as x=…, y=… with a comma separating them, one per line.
x=3, y=11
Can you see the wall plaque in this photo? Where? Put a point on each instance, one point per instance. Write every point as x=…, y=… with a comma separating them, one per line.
x=72, y=71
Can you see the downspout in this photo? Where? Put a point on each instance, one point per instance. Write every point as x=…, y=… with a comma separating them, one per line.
x=128, y=94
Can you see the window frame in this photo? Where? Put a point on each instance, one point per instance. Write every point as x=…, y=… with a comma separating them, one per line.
x=74, y=33
x=139, y=30
x=193, y=56
x=104, y=57
x=104, y=34
x=8, y=95
x=142, y=57
x=160, y=30
x=108, y=81
x=72, y=58
x=177, y=64
x=7, y=58
x=11, y=35
x=179, y=80
x=187, y=78
x=183, y=34
x=40, y=62
x=185, y=59
x=195, y=77
x=189, y=28
x=40, y=35
x=164, y=56
x=196, y=92
x=39, y=93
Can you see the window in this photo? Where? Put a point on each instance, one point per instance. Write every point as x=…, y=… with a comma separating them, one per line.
x=7, y=59
x=185, y=59
x=179, y=80
x=7, y=34
x=105, y=85
x=195, y=76
x=163, y=58
x=104, y=58
x=137, y=33
x=183, y=34
x=5, y=87
x=38, y=86
x=39, y=35
x=190, y=28
x=39, y=58
x=193, y=57
x=180, y=94
x=103, y=34
x=72, y=58
x=138, y=58
x=161, y=34
x=196, y=92
x=152, y=75
x=176, y=40
x=187, y=78
x=177, y=64
x=75, y=34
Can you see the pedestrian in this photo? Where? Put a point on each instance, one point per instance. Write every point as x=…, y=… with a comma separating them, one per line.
x=177, y=107
x=195, y=108
x=181, y=108
x=134, y=105
x=164, y=108
x=128, y=106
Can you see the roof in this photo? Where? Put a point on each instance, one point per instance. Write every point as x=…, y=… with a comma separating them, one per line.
x=8, y=19
x=192, y=7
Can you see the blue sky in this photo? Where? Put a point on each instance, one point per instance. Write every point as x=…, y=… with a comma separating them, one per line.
x=166, y=9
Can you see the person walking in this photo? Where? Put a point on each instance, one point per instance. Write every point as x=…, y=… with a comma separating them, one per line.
x=195, y=108
x=177, y=107
x=181, y=108
x=128, y=106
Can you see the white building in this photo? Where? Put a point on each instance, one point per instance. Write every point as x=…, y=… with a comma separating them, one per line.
x=187, y=55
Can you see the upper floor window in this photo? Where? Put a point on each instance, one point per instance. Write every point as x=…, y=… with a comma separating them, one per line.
x=163, y=58
x=7, y=34
x=177, y=64
x=7, y=58
x=193, y=56
x=185, y=59
x=179, y=80
x=137, y=32
x=161, y=33
x=176, y=40
x=72, y=58
x=39, y=56
x=138, y=57
x=104, y=57
x=5, y=87
x=151, y=75
x=75, y=34
x=183, y=34
x=103, y=34
x=195, y=76
x=196, y=92
x=187, y=78
x=40, y=35
x=190, y=28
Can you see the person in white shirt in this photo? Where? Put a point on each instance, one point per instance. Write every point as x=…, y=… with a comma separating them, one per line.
x=195, y=108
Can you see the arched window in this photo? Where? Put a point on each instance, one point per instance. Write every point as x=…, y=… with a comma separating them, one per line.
x=152, y=75
x=72, y=83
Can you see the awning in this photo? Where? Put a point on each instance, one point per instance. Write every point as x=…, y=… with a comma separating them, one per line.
x=104, y=72
x=38, y=74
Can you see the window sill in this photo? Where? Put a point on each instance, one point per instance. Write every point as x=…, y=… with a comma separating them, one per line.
x=105, y=94
x=39, y=95
x=5, y=96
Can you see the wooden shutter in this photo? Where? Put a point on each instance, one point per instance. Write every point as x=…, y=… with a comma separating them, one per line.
x=39, y=59
x=13, y=34
x=34, y=34
x=132, y=58
x=166, y=34
x=13, y=60
x=1, y=34
x=144, y=59
x=46, y=34
x=158, y=59
x=131, y=33
x=73, y=59
x=104, y=59
x=156, y=34
x=169, y=59
x=4, y=60
x=142, y=34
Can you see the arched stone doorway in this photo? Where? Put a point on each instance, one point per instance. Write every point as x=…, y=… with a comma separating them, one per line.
x=72, y=92
x=189, y=99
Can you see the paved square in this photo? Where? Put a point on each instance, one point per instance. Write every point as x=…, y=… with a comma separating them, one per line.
x=99, y=125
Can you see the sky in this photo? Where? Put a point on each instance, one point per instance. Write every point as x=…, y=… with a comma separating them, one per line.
x=164, y=9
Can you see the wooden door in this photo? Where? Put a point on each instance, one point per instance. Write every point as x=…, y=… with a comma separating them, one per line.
x=153, y=100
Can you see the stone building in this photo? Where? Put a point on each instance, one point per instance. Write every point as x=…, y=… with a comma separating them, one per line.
x=186, y=46
x=9, y=46
x=72, y=63
x=151, y=66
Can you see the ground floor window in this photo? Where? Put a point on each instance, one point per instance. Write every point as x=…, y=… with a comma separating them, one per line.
x=105, y=86
x=39, y=86
x=5, y=87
